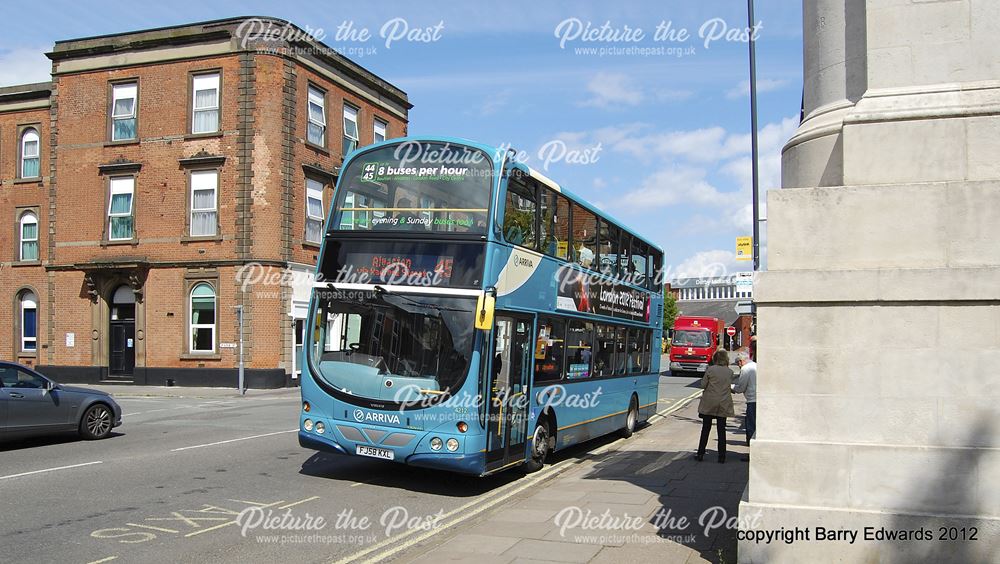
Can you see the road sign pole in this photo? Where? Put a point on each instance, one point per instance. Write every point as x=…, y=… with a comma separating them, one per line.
x=239, y=317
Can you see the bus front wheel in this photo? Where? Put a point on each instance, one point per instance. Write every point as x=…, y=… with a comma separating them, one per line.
x=631, y=419
x=539, y=446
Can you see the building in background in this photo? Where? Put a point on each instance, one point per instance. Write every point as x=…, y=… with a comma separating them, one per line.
x=879, y=314
x=154, y=169
x=717, y=297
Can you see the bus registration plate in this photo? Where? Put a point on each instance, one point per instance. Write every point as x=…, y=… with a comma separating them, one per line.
x=383, y=453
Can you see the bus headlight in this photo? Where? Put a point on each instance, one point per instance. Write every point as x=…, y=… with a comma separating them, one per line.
x=306, y=407
x=462, y=426
x=320, y=427
x=307, y=425
x=435, y=444
x=452, y=444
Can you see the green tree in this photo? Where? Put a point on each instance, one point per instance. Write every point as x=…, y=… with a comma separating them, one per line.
x=669, y=310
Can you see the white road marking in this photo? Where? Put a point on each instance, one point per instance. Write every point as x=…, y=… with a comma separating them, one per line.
x=234, y=440
x=108, y=559
x=51, y=469
x=144, y=412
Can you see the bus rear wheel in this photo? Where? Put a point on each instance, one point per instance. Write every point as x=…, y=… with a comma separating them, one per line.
x=539, y=446
x=631, y=420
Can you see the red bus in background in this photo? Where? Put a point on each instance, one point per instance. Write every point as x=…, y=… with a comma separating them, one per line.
x=694, y=342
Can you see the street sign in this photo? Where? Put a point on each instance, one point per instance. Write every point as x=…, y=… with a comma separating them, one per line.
x=745, y=308
x=744, y=248
x=731, y=331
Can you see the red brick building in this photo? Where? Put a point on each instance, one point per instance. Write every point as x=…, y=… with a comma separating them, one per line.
x=149, y=173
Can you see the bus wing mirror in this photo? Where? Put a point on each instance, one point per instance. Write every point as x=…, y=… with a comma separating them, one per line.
x=484, y=311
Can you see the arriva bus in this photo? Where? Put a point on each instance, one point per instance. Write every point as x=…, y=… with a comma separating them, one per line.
x=470, y=315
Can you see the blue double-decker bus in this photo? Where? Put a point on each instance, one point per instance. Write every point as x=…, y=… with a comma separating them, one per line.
x=471, y=315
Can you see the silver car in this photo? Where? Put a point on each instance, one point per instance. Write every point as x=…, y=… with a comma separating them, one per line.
x=31, y=404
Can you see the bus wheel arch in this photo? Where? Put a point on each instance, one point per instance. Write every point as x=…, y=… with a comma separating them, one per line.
x=631, y=417
x=545, y=429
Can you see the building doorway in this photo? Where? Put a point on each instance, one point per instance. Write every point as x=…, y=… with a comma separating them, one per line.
x=121, y=356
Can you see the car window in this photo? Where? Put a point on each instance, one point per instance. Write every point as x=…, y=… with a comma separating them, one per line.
x=8, y=376
x=17, y=378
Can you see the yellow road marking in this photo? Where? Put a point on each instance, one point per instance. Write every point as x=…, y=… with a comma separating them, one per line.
x=293, y=504
x=189, y=520
x=257, y=503
x=200, y=531
x=161, y=529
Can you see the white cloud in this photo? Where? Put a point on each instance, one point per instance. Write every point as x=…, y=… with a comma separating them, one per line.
x=495, y=102
x=599, y=182
x=771, y=138
x=675, y=185
x=24, y=65
x=712, y=263
x=742, y=90
x=612, y=89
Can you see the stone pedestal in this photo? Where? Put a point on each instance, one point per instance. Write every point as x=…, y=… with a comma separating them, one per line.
x=879, y=316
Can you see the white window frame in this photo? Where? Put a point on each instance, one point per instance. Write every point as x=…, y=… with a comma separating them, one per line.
x=210, y=81
x=30, y=135
x=197, y=174
x=316, y=97
x=314, y=191
x=28, y=298
x=120, y=189
x=28, y=218
x=124, y=91
x=348, y=118
x=192, y=326
x=380, y=129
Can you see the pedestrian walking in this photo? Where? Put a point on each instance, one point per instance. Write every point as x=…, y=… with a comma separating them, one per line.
x=746, y=384
x=716, y=403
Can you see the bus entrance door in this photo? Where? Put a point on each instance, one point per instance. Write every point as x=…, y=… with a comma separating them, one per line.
x=510, y=373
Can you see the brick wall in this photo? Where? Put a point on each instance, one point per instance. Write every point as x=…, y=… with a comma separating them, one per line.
x=259, y=152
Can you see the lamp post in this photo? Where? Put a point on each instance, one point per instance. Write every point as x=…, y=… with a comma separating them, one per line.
x=753, y=136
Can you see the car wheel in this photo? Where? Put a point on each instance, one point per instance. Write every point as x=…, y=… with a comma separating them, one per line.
x=96, y=422
x=539, y=447
x=631, y=419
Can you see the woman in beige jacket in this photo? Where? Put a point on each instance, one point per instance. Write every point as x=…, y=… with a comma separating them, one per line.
x=716, y=403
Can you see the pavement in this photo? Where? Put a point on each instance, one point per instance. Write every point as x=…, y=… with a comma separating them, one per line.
x=130, y=391
x=644, y=499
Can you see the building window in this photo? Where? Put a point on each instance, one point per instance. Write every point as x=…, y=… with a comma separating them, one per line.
x=120, y=220
x=123, y=111
x=29, y=153
x=314, y=211
x=202, y=318
x=29, y=236
x=381, y=127
x=350, y=128
x=205, y=112
x=317, y=117
x=29, y=322
x=204, y=214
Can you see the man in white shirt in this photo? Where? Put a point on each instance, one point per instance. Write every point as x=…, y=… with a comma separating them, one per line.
x=746, y=384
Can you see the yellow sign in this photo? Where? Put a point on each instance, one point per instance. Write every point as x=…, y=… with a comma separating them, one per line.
x=744, y=248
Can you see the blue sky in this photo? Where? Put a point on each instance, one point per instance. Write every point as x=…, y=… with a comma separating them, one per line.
x=670, y=131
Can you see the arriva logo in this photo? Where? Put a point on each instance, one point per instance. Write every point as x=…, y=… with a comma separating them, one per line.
x=370, y=417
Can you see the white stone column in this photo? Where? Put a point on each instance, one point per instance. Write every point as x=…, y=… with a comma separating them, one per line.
x=879, y=317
